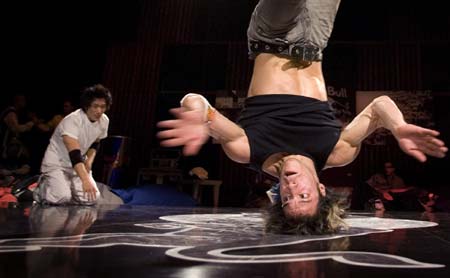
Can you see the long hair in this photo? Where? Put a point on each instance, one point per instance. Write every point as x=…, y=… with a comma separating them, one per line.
x=89, y=94
x=327, y=220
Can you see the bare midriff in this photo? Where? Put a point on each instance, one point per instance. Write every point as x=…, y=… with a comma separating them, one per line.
x=274, y=74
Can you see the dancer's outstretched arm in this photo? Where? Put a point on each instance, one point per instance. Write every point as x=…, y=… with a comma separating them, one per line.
x=414, y=140
x=195, y=121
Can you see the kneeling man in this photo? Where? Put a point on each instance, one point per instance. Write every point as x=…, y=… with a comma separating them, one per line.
x=66, y=168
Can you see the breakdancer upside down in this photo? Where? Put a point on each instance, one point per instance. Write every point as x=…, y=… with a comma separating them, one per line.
x=287, y=128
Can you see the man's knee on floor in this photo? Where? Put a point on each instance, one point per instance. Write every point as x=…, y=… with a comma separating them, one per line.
x=56, y=197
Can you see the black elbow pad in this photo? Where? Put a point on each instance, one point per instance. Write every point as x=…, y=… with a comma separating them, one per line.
x=75, y=157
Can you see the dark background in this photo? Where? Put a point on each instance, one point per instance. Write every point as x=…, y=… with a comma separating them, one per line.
x=141, y=48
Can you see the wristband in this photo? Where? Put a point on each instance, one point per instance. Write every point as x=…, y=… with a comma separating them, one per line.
x=207, y=106
x=210, y=114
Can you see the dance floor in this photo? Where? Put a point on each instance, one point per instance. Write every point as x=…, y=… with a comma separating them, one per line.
x=146, y=241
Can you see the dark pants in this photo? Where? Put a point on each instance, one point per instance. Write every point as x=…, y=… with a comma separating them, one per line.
x=302, y=22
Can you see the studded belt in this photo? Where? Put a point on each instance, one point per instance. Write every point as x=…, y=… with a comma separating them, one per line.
x=301, y=52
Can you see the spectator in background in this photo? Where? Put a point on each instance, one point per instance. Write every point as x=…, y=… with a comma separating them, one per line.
x=388, y=182
x=16, y=163
x=68, y=107
x=390, y=191
x=11, y=126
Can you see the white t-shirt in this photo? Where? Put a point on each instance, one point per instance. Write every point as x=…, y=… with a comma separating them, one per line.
x=77, y=126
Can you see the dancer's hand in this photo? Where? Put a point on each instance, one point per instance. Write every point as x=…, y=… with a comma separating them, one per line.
x=89, y=191
x=188, y=129
x=419, y=142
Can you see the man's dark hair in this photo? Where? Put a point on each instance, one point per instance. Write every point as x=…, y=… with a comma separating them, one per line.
x=327, y=220
x=89, y=94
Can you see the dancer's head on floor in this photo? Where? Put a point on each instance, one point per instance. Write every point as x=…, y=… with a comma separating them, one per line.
x=304, y=205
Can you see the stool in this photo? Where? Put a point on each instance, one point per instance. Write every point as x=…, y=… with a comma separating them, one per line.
x=197, y=189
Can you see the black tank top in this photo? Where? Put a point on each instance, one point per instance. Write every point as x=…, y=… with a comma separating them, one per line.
x=290, y=124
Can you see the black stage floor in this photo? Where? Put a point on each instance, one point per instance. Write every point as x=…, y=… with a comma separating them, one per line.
x=144, y=241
